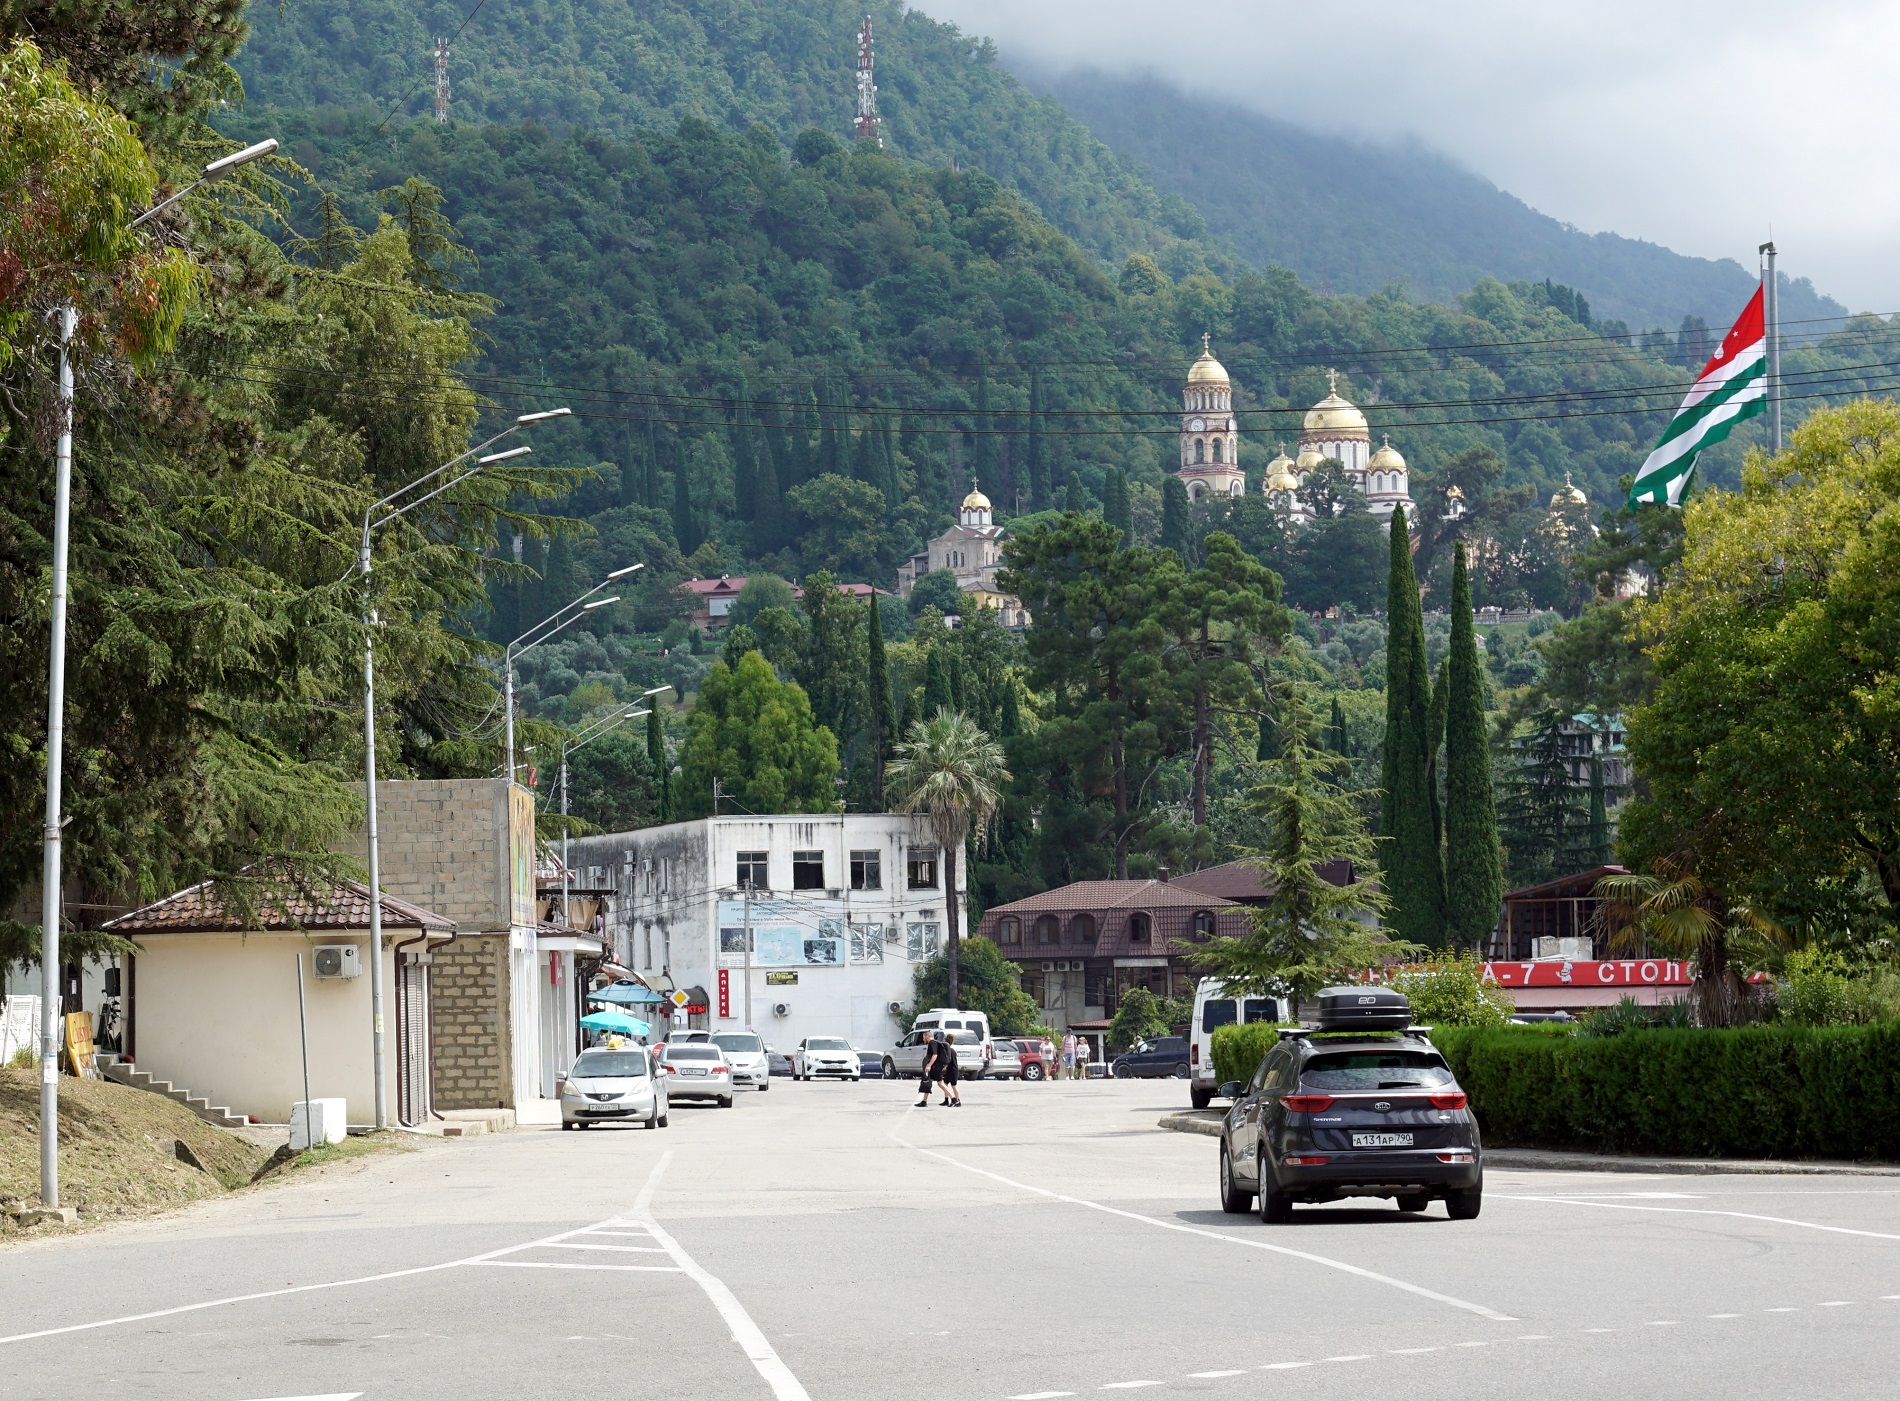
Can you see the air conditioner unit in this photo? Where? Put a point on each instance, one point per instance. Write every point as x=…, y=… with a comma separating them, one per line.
x=781, y=1009
x=894, y=1008
x=1063, y=966
x=337, y=961
x=1049, y=967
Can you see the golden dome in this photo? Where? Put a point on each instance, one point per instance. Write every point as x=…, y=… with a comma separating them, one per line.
x=976, y=500
x=1454, y=492
x=1280, y=475
x=1207, y=370
x=1386, y=459
x=1309, y=459
x=1567, y=495
x=1335, y=416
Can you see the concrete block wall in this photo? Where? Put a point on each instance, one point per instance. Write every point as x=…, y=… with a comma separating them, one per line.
x=444, y=846
x=468, y=988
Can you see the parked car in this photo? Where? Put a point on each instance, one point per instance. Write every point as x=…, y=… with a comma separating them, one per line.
x=745, y=1053
x=824, y=1055
x=1165, y=1057
x=1215, y=1006
x=1006, y=1060
x=906, y=1058
x=779, y=1061
x=1038, y=1055
x=1373, y=1113
x=604, y=1086
x=870, y=1064
x=697, y=1070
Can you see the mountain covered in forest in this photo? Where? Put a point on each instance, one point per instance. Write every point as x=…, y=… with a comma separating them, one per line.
x=1352, y=216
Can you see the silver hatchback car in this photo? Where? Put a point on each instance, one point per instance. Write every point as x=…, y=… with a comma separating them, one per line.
x=612, y=1086
x=1006, y=1060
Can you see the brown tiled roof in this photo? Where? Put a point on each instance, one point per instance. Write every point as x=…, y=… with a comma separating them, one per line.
x=1094, y=895
x=1578, y=885
x=1242, y=880
x=280, y=904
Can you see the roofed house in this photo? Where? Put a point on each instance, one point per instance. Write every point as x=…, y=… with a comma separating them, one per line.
x=212, y=996
x=1083, y=947
x=1562, y=918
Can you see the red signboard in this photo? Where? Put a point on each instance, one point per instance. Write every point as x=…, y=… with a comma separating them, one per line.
x=1592, y=973
x=725, y=992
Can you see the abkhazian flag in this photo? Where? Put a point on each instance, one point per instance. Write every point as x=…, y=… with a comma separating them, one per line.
x=1732, y=386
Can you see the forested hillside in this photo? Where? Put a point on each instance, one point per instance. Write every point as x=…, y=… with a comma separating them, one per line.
x=1348, y=216
x=619, y=69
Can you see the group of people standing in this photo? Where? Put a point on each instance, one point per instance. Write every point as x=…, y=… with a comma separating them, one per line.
x=1075, y=1057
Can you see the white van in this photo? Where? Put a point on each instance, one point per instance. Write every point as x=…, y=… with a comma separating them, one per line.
x=969, y=1026
x=1215, y=1006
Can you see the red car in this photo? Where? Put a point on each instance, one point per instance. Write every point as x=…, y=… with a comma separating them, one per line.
x=1039, y=1057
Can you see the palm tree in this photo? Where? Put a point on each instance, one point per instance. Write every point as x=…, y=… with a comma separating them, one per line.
x=1676, y=911
x=952, y=772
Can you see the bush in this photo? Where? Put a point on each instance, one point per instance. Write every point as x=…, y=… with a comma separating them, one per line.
x=1628, y=1014
x=1759, y=1092
x=1238, y=1049
x=1140, y=1016
x=1814, y=992
x=1452, y=994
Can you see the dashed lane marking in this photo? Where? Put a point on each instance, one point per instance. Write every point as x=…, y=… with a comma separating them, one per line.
x=1481, y=1310
x=1040, y=1395
x=1703, y=1211
x=1231, y=1372
x=579, y=1265
x=1128, y=1386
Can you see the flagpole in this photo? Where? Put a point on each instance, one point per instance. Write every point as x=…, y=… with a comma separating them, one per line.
x=1774, y=345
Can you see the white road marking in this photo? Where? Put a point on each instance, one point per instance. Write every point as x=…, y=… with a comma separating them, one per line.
x=785, y=1386
x=327, y=1396
x=578, y=1265
x=1706, y=1211
x=1283, y=1366
x=1240, y=1372
x=1408, y=1351
x=1783, y=1310
x=1836, y=1304
x=1128, y=1386
x=588, y=1245
x=1418, y=1289
x=1351, y=1357
x=1725, y=1315
x=1040, y=1395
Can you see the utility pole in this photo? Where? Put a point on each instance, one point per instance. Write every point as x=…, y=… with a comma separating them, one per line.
x=868, y=125
x=50, y=875
x=441, y=80
x=748, y=955
x=1774, y=344
x=715, y=797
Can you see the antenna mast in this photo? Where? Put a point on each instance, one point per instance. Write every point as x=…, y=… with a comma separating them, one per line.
x=441, y=80
x=867, y=124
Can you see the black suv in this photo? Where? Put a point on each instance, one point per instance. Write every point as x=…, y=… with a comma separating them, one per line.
x=1359, y=1113
x=1161, y=1058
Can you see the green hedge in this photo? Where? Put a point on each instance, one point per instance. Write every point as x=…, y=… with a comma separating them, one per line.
x=1238, y=1049
x=1753, y=1092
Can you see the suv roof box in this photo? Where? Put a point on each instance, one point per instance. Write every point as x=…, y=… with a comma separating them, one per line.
x=1363, y=1008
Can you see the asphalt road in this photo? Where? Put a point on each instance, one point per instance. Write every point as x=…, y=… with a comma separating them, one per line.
x=829, y=1241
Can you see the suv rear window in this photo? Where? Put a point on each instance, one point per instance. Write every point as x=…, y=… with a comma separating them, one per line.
x=1375, y=1070
x=737, y=1041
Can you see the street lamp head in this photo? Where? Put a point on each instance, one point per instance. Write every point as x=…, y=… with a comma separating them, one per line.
x=224, y=165
x=622, y=573
x=655, y=691
x=599, y=603
x=495, y=457
x=523, y=420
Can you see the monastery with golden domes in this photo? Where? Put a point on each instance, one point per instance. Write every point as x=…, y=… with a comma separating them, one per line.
x=1334, y=427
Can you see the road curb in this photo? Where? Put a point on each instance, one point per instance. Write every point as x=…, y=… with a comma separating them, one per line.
x=1208, y=1121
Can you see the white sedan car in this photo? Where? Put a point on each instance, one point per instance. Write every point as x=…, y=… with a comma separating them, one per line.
x=824, y=1055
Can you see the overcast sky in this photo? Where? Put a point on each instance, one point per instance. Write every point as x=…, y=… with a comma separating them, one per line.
x=1697, y=126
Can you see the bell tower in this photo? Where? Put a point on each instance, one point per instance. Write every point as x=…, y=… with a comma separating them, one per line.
x=1210, y=440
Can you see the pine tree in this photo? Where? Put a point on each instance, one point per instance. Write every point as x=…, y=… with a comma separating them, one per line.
x=1474, y=870
x=656, y=760
x=1538, y=815
x=1075, y=499
x=1408, y=816
x=878, y=730
x=1115, y=502
x=1174, y=517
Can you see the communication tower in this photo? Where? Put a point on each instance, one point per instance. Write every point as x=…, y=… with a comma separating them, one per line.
x=868, y=124
x=441, y=80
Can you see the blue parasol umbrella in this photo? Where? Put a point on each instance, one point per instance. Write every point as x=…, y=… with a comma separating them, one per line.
x=626, y=994
x=616, y=1021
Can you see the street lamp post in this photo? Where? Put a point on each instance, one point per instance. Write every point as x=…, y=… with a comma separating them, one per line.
x=51, y=853
x=515, y=651
x=586, y=736
x=371, y=835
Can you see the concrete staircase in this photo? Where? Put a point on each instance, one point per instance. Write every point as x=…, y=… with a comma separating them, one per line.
x=117, y=1070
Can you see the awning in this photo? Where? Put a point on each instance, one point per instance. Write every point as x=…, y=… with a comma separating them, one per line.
x=626, y=995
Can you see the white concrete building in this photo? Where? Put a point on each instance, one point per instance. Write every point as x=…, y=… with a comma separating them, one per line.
x=844, y=906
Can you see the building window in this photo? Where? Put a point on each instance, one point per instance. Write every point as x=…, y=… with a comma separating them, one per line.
x=867, y=870
x=920, y=941
x=1138, y=929
x=751, y=874
x=1082, y=929
x=867, y=943
x=921, y=867
x=808, y=870
x=1203, y=924
x=1048, y=929
x=1217, y=449
x=1009, y=930
x=1200, y=449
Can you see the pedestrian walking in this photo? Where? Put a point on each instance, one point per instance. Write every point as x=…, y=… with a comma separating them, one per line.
x=1081, y=1058
x=952, y=1072
x=928, y=1074
x=1068, y=1055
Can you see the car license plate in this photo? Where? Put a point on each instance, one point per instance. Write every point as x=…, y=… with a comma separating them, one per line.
x=695, y=1070
x=1382, y=1140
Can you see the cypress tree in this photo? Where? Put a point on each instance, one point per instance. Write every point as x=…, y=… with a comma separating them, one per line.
x=1075, y=499
x=745, y=457
x=1115, y=502
x=1038, y=449
x=833, y=434
x=684, y=531
x=656, y=760
x=1408, y=817
x=1336, y=731
x=878, y=686
x=1474, y=870
x=650, y=496
x=864, y=463
x=937, y=691
x=1599, y=815
x=887, y=466
x=1174, y=517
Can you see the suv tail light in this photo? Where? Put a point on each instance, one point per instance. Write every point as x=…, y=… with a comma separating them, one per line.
x=1307, y=1161
x=1194, y=1054
x=1307, y=1104
x=1448, y=1099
